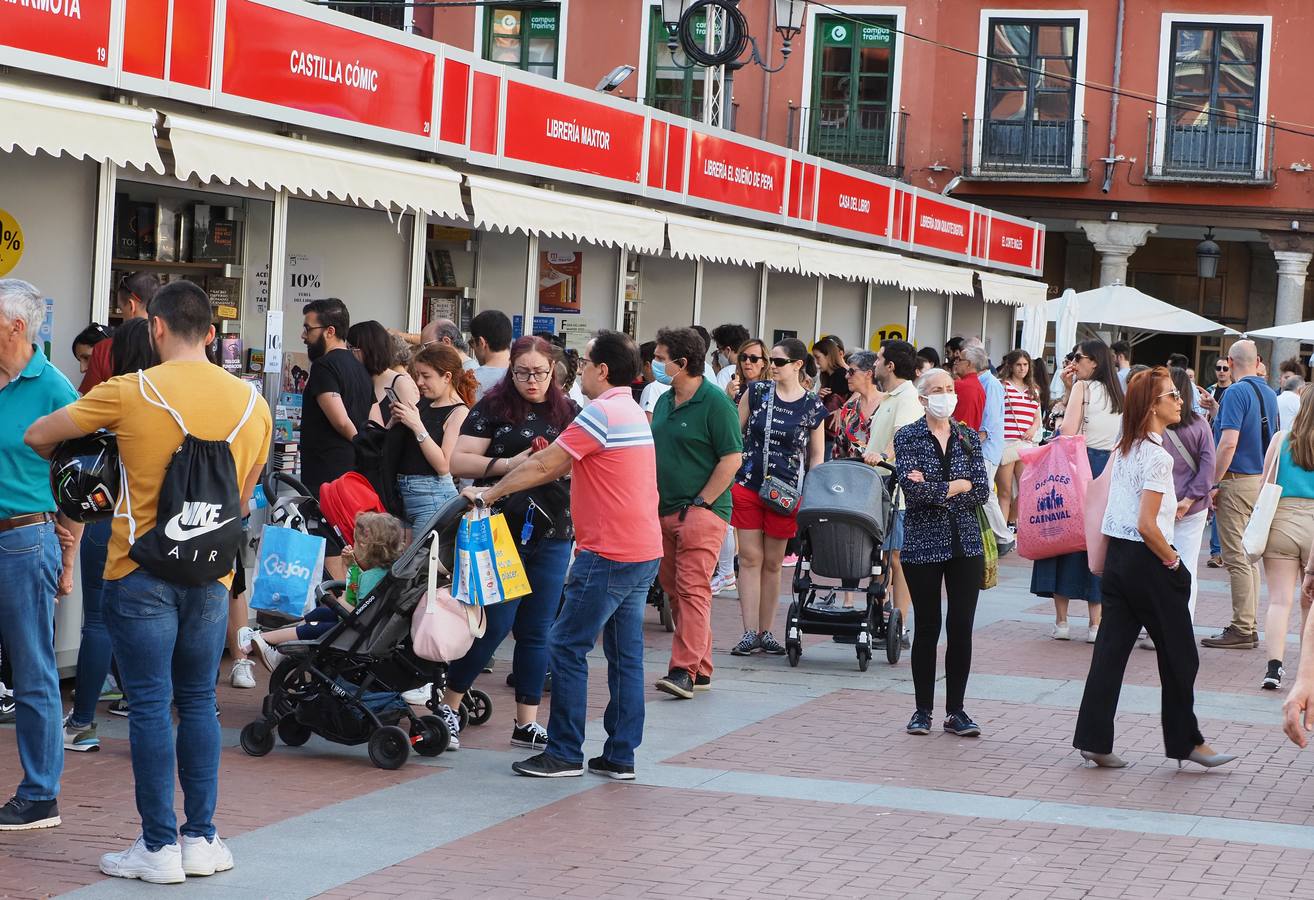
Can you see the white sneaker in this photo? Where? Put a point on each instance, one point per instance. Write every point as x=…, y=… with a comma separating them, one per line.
x=419, y=696
x=245, y=638
x=453, y=726
x=1092, y=634
x=1060, y=632
x=1145, y=642
x=724, y=585
x=205, y=857
x=164, y=866
x=243, y=674
x=269, y=657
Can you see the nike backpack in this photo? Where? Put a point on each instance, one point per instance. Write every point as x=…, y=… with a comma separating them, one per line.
x=198, y=522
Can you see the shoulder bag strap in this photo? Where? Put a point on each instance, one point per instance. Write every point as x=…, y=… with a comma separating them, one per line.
x=766, y=429
x=1270, y=471
x=1263, y=414
x=1191, y=461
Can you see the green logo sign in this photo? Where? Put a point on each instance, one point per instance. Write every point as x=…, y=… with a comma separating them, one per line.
x=839, y=34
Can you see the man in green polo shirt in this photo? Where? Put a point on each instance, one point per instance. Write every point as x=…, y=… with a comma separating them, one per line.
x=695, y=429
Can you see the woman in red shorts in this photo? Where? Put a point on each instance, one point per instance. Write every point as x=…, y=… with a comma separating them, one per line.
x=782, y=422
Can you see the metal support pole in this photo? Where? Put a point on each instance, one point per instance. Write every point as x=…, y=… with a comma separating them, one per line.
x=103, y=256
x=949, y=319
x=622, y=264
x=762, y=278
x=816, y=318
x=277, y=279
x=866, y=316
x=419, y=246
x=698, y=293
x=531, y=282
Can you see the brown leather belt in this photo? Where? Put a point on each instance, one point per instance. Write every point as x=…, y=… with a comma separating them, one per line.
x=23, y=521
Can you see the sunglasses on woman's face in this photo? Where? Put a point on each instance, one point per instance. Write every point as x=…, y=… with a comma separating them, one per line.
x=780, y=362
x=1174, y=393
x=750, y=358
x=852, y=372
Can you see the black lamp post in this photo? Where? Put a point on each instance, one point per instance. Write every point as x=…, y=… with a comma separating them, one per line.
x=678, y=17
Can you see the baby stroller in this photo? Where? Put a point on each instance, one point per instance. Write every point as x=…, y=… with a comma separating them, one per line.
x=843, y=517
x=345, y=686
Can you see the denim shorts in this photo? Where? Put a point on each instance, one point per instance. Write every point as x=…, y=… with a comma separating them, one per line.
x=423, y=495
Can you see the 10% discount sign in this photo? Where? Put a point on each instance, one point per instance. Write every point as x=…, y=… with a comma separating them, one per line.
x=11, y=243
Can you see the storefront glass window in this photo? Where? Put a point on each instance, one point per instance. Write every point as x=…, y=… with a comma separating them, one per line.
x=523, y=37
x=670, y=87
x=850, y=119
x=1214, y=98
x=386, y=12
x=1030, y=94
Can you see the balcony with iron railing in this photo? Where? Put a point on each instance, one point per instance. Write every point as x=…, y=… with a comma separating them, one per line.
x=1197, y=146
x=1025, y=150
x=870, y=138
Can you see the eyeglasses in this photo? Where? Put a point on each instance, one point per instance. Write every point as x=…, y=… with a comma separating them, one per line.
x=750, y=358
x=1078, y=357
x=1174, y=393
x=852, y=372
x=780, y=361
x=307, y=329
x=524, y=376
x=1222, y=368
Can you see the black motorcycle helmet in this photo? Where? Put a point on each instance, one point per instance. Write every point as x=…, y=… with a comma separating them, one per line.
x=84, y=477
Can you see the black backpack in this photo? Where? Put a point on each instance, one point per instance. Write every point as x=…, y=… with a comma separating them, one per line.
x=198, y=521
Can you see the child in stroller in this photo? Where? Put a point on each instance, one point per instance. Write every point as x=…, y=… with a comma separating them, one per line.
x=346, y=685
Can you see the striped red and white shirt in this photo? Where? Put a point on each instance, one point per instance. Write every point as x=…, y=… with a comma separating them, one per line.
x=1020, y=412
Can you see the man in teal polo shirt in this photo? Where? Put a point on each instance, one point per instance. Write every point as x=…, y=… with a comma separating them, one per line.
x=33, y=569
x=699, y=447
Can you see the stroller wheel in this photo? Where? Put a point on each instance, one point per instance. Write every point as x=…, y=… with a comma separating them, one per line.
x=292, y=732
x=256, y=738
x=429, y=736
x=389, y=747
x=864, y=658
x=793, y=651
x=478, y=705
x=893, y=637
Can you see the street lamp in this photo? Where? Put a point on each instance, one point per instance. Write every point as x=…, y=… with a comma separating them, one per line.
x=678, y=17
x=1207, y=255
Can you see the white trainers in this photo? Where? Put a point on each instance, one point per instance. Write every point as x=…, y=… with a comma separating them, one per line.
x=269, y=657
x=1060, y=632
x=245, y=638
x=164, y=866
x=1092, y=634
x=243, y=674
x=453, y=726
x=419, y=696
x=724, y=584
x=205, y=857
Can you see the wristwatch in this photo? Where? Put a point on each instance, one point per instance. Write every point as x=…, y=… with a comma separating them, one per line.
x=421, y=437
x=700, y=502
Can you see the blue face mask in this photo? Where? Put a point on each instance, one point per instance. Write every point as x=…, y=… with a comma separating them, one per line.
x=659, y=372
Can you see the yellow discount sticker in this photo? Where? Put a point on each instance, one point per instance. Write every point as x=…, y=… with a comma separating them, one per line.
x=11, y=243
x=892, y=332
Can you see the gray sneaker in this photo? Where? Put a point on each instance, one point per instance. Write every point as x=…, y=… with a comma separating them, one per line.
x=770, y=645
x=747, y=646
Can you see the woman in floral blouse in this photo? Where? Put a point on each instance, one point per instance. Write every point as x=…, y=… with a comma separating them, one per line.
x=943, y=476
x=855, y=415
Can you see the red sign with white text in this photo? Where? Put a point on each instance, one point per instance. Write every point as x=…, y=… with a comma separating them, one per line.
x=275, y=56
x=942, y=225
x=856, y=204
x=736, y=174
x=76, y=30
x=1011, y=242
x=550, y=128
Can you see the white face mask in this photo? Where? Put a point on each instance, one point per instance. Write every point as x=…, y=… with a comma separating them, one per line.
x=942, y=406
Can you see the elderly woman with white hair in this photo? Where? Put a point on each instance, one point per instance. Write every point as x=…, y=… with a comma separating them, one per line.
x=33, y=568
x=943, y=476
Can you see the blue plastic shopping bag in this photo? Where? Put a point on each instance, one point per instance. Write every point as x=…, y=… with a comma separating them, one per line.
x=488, y=566
x=287, y=571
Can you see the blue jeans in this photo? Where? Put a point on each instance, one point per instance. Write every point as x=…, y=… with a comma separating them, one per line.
x=606, y=596
x=423, y=495
x=29, y=572
x=1215, y=547
x=168, y=639
x=94, y=652
x=528, y=617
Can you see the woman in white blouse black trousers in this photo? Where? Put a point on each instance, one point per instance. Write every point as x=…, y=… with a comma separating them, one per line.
x=1146, y=585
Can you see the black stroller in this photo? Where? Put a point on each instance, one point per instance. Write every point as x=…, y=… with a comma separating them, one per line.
x=345, y=686
x=843, y=517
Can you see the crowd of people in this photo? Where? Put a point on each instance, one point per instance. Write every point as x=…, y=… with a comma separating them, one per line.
x=617, y=467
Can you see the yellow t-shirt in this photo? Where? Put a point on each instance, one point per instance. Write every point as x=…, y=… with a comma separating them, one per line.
x=210, y=402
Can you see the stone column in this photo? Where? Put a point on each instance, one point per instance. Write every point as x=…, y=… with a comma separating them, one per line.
x=1115, y=242
x=1292, y=267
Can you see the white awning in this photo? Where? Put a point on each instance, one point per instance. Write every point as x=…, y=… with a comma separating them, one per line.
x=42, y=121
x=720, y=242
x=510, y=207
x=998, y=288
x=920, y=275
x=238, y=155
x=852, y=263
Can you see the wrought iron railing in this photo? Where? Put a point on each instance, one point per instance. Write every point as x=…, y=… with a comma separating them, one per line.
x=1197, y=145
x=866, y=137
x=1025, y=149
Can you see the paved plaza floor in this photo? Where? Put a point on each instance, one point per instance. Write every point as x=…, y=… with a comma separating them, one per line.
x=777, y=782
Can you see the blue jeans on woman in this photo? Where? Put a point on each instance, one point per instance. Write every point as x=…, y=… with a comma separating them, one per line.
x=169, y=639
x=528, y=617
x=94, y=653
x=423, y=495
x=609, y=597
x=29, y=573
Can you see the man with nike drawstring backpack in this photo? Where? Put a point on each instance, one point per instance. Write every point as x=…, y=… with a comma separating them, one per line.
x=193, y=440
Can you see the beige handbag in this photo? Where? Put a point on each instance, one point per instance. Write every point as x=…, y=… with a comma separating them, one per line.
x=1255, y=539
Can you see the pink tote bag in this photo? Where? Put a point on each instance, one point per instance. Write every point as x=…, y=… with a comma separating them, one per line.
x=1051, y=497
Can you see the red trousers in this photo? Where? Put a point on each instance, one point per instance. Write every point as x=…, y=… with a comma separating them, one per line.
x=689, y=552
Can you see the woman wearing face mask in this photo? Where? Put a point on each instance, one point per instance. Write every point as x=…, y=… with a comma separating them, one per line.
x=424, y=479
x=524, y=412
x=782, y=422
x=943, y=477
x=1094, y=409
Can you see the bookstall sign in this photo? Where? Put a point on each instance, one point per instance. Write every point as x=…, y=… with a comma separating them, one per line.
x=73, y=30
x=11, y=239
x=305, y=278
